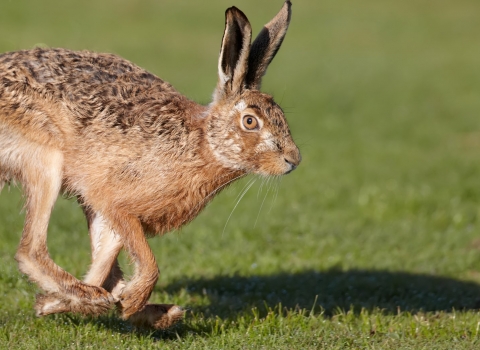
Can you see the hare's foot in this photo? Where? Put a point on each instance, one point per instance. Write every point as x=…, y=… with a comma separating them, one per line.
x=157, y=316
x=47, y=304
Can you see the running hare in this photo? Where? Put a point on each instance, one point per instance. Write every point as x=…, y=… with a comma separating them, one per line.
x=141, y=158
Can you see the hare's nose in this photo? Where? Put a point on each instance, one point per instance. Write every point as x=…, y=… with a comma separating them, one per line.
x=292, y=159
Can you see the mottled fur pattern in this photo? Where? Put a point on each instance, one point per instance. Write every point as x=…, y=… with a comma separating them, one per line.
x=141, y=158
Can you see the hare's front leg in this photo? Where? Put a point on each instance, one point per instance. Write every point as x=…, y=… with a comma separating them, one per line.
x=41, y=176
x=133, y=295
x=106, y=245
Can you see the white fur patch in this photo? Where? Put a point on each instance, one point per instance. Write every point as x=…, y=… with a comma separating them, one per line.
x=105, y=245
x=50, y=306
x=240, y=106
x=96, y=230
x=268, y=143
x=225, y=161
x=267, y=135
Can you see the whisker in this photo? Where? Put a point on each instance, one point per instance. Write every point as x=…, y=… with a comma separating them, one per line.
x=243, y=194
x=247, y=184
x=261, y=185
x=270, y=181
x=278, y=180
x=260, y=210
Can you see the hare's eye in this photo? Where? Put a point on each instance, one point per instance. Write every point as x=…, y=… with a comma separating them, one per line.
x=250, y=122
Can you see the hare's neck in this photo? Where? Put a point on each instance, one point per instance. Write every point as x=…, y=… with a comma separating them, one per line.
x=198, y=188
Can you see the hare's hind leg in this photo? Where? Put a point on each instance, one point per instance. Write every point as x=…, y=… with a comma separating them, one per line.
x=41, y=176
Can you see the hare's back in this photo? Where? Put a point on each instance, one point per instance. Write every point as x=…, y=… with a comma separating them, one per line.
x=69, y=71
x=81, y=85
x=53, y=94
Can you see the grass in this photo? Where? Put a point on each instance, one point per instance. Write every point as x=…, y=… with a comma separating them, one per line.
x=372, y=243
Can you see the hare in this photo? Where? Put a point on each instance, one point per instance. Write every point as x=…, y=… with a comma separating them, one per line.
x=141, y=158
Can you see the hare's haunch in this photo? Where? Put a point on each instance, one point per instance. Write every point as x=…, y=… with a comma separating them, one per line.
x=140, y=157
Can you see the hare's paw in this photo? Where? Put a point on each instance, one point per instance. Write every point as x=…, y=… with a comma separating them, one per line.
x=131, y=299
x=47, y=304
x=158, y=316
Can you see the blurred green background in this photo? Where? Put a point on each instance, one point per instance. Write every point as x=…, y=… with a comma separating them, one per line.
x=383, y=99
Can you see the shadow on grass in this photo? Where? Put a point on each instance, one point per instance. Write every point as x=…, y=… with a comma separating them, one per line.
x=333, y=290
x=329, y=292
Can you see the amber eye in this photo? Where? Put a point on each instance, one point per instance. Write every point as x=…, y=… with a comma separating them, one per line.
x=250, y=122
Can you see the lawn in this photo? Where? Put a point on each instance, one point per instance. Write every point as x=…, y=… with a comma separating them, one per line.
x=372, y=243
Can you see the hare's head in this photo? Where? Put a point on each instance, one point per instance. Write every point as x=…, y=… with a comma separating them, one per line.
x=246, y=129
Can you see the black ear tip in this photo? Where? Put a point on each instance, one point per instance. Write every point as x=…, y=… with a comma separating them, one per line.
x=230, y=12
x=289, y=5
x=234, y=12
x=231, y=9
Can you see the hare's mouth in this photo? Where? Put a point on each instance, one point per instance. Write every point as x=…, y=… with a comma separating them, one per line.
x=291, y=166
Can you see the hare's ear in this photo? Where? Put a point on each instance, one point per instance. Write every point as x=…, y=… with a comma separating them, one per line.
x=266, y=45
x=232, y=64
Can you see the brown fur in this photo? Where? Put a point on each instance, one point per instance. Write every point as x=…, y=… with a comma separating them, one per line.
x=141, y=158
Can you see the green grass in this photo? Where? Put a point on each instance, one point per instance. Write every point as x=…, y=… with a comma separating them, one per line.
x=373, y=243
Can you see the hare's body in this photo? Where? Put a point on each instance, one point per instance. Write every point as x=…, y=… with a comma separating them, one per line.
x=152, y=136
x=141, y=157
